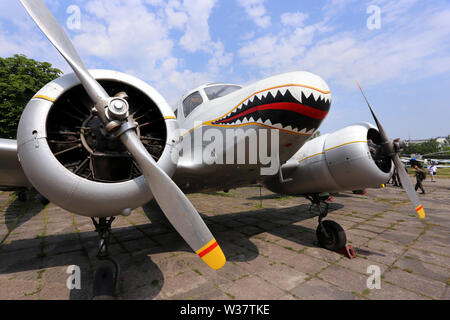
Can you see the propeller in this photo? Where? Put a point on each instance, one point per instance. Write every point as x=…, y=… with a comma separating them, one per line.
x=391, y=149
x=113, y=111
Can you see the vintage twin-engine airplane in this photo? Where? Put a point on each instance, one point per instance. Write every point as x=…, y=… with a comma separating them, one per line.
x=101, y=143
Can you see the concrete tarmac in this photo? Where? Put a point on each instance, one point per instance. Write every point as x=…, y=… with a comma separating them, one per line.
x=271, y=249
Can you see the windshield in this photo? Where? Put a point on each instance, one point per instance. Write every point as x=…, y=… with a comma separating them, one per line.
x=192, y=102
x=220, y=91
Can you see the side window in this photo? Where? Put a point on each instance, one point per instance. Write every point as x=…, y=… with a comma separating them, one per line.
x=192, y=102
x=176, y=113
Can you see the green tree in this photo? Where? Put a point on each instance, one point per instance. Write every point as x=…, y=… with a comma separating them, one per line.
x=428, y=147
x=315, y=135
x=20, y=79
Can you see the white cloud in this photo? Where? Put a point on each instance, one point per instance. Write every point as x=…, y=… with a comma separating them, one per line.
x=293, y=19
x=414, y=49
x=19, y=35
x=197, y=34
x=138, y=39
x=257, y=12
x=176, y=17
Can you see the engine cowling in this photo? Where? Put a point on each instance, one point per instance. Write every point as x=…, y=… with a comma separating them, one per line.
x=68, y=160
x=339, y=161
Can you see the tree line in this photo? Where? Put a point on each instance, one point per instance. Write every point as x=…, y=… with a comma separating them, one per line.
x=20, y=79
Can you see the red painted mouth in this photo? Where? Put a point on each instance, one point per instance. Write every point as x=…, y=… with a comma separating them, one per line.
x=283, y=109
x=286, y=106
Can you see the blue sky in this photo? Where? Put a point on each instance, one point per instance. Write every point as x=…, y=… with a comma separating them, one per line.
x=175, y=45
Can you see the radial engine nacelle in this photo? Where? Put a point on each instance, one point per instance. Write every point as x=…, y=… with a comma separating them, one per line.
x=68, y=159
x=334, y=162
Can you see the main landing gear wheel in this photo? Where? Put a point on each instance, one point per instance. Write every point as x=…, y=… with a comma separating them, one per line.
x=107, y=275
x=105, y=280
x=331, y=236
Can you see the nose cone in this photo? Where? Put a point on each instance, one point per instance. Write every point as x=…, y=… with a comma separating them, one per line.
x=295, y=102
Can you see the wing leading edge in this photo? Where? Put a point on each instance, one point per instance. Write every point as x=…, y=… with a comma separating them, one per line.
x=11, y=172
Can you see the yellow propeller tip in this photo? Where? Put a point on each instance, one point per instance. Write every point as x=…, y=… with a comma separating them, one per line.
x=212, y=255
x=421, y=212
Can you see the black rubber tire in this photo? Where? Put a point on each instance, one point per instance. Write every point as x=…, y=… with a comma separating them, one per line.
x=104, y=283
x=336, y=239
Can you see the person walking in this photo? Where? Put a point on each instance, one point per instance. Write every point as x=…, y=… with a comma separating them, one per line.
x=396, y=179
x=420, y=176
x=433, y=172
x=430, y=170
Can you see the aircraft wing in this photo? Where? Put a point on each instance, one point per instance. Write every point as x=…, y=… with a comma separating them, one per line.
x=11, y=172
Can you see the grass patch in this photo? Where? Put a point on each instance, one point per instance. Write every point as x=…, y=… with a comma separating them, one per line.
x=198, y=272
x=230, y=295
x=366, y=292
x=408, y=270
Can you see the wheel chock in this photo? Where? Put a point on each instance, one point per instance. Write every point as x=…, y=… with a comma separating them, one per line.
x=348, y=251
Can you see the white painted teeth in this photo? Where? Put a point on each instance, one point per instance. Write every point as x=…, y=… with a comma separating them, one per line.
x=316, y=95
x=269, y=123
x=278, y=125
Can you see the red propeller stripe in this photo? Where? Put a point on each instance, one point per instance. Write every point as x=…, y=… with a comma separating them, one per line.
x=208, y=250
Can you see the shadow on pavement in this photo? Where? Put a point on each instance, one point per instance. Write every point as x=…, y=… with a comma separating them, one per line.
x=134, y=246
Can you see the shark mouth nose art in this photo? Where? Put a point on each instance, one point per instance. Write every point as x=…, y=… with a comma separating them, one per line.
x=299, y=112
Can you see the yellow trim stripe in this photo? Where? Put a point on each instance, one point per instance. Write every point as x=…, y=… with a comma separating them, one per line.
x=341, y=145
x=44, y=98
x=169, y=118
x=258, y=124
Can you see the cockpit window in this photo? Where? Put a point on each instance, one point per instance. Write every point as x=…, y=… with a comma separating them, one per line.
x=220, y=91
x=192, y=102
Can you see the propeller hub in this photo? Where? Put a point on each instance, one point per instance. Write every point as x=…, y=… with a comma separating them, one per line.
x=118, y=109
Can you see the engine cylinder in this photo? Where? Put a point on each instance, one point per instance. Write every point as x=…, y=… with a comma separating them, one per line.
x=66, y=157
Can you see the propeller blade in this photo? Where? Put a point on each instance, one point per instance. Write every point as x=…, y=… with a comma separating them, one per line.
x=58, y=37
x=175, y=205
x=383, y=133
x=408, y=187
x=387, y=143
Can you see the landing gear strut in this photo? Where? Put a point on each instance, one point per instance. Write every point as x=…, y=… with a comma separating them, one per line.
x=330, y=234
x=107, y=275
